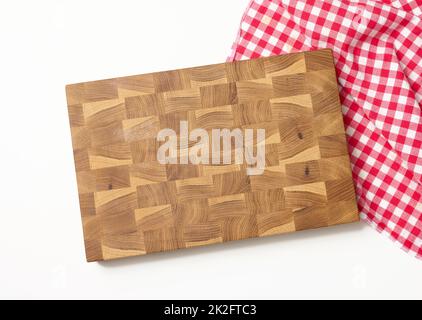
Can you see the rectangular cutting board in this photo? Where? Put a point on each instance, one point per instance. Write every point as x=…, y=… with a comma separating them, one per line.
x=131, y=204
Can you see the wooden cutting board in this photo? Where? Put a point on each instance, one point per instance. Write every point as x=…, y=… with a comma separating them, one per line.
x=131, y=204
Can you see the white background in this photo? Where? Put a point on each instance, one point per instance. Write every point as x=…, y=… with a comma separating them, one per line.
x=47, y=44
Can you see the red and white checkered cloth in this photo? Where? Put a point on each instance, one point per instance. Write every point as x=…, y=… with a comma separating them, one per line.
x=377, y=49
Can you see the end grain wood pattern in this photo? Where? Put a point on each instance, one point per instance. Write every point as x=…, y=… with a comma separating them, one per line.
x=132, y=205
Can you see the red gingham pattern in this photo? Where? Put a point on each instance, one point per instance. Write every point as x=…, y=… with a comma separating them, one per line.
x=377, y=49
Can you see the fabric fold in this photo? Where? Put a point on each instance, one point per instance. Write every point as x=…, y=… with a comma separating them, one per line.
x=377, y=47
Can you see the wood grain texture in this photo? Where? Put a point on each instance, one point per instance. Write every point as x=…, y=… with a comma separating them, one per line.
x=133, y=205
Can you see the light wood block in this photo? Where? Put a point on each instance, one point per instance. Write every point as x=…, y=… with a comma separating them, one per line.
x=133, y=205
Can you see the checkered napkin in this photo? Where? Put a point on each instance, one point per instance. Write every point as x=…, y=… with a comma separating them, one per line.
x=377, y=48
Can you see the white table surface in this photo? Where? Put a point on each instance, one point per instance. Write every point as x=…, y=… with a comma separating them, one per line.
x=47, y=44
